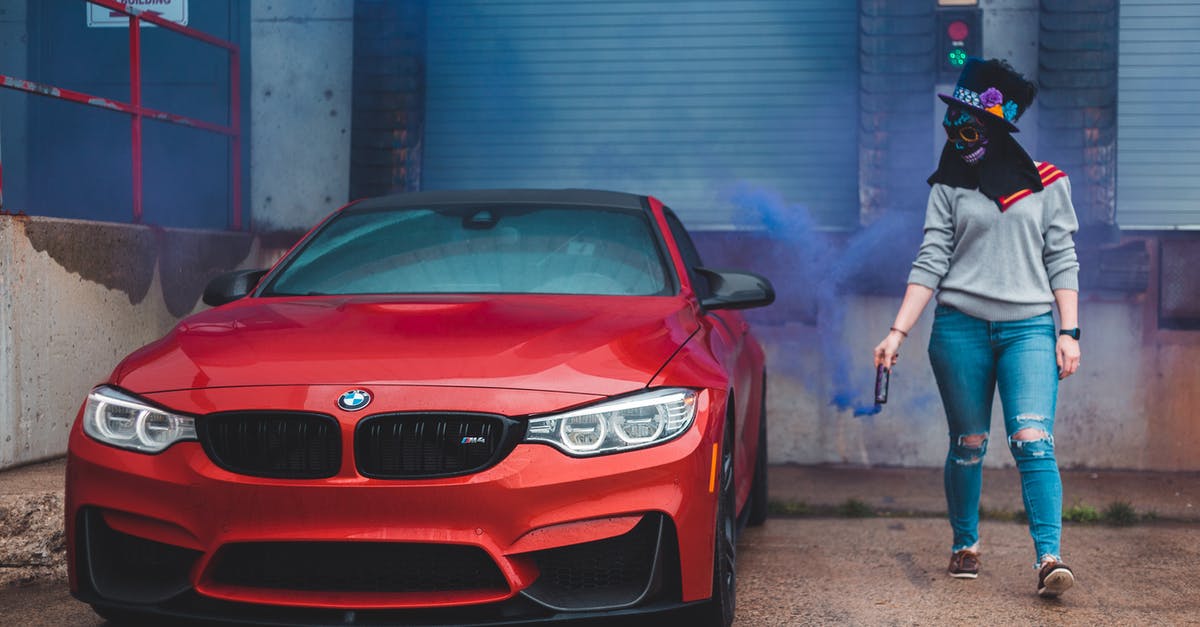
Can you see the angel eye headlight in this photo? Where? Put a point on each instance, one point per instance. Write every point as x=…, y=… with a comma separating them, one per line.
x=626, y=423
x=639, y=427
x=584, y=433
x=119, y=419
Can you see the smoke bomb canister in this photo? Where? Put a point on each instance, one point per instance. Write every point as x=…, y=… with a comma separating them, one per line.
x=881, y=384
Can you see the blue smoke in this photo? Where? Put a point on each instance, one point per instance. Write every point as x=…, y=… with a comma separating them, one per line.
x=823, y=267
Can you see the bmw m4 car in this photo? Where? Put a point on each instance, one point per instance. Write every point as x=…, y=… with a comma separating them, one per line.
x=474, y=407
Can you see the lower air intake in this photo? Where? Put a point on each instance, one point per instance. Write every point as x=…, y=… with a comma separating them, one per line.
x=605, y=574
x=357, y=567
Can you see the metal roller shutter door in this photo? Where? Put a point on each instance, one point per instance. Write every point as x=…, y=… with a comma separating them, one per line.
x=1158, y=136
x=680, y=99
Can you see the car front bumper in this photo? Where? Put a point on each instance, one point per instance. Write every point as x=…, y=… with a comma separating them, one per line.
x=540, y=534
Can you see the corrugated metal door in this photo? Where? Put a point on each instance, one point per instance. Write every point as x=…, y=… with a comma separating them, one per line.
x=684, y=100
x=1158, y=136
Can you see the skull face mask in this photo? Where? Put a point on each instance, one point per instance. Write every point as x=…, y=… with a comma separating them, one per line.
x=967, y=133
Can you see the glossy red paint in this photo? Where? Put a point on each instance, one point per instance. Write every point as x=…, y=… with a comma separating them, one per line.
x=726, y=348
x=581, y=344
x=514, y=355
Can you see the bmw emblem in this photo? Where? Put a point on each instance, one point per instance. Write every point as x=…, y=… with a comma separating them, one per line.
x=354, y=400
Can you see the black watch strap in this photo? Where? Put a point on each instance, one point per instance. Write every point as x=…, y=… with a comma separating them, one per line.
x=1071, y=332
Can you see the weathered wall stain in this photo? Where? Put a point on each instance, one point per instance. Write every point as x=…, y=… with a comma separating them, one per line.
x=123, y=258
x=188, y=260
x=112, y=255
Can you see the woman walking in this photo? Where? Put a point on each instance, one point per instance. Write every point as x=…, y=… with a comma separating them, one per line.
x=999, y=253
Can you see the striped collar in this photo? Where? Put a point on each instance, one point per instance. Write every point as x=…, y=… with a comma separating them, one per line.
x=1049, y=174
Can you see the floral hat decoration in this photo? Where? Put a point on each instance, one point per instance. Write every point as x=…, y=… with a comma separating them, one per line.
x=994, y=88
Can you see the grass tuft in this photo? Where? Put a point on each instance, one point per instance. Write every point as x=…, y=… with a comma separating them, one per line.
x=1081, y=513
x=1120, y=514
x=788, y=508
x=854, y=508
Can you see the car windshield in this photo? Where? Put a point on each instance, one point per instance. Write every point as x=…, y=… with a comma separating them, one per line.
x=482, y=249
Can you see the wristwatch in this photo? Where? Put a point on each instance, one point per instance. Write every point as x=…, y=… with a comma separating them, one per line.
x=1071, y=332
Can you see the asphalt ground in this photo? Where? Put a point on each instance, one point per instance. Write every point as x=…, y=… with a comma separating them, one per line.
x=852, y=546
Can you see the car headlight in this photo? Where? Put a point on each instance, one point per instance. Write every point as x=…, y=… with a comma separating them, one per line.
x=116, y=418
x=621, y=424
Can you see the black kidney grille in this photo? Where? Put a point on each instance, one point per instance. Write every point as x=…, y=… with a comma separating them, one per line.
x=273, y=444
x=357, y=567
x=431, y=445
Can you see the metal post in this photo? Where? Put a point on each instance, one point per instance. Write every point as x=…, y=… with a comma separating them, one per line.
x=135, y=95
x=1, y=186
x=235, y=144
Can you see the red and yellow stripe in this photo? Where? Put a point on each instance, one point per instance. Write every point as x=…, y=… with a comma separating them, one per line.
x=1049, y=174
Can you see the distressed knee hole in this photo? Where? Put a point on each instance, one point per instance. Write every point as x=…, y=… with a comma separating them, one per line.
x=975, y=440
x=1031, y=441
x=1029, y=433
x=968, y=450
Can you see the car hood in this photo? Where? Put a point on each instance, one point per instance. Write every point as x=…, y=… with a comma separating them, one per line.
x=587, y=344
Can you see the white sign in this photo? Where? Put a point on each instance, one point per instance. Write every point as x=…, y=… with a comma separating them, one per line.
x=170, y=10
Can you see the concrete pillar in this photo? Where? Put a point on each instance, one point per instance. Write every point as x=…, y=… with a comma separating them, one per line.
x=301, y=58
x=1010, y=32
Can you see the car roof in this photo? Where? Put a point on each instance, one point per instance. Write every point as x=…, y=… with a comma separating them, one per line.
x=565, y=197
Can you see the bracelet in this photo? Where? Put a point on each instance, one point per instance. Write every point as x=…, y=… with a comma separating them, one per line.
x=900, y=332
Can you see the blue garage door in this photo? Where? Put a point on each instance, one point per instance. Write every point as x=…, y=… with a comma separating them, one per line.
x=1158, y=133
x=686, y=100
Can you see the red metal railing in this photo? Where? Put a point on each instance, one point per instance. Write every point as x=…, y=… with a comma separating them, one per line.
x=138, y=112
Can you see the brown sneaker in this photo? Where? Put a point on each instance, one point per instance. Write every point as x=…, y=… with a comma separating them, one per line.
x=964, y=564
x=1054, y=578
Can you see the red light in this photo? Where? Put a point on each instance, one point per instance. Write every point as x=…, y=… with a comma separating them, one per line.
x=958, y=30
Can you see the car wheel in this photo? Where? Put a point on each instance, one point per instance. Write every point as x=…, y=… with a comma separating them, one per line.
x=758, y=492
x=721, y=608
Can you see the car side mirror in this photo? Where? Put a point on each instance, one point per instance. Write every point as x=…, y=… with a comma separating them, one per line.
x=231, y=286
x=731, y=289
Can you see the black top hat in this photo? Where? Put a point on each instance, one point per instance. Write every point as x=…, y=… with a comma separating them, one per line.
x=993, y=87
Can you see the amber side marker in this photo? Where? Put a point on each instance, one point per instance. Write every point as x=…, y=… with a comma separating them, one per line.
x=712, y=475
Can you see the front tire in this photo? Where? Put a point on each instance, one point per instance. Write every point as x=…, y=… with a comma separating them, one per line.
x=759, y=499
x=721, y=608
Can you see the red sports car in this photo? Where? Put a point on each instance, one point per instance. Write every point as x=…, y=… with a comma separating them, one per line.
x=468, y=407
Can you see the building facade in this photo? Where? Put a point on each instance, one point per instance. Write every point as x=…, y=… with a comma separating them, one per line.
x=793, y=136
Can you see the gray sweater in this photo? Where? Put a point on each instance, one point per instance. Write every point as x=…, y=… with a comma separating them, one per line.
x=998, y=266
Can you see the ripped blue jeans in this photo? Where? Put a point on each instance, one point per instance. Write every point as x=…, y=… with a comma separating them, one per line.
x=971, y=357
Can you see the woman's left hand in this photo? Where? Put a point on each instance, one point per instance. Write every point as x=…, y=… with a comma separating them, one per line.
x=1068, y=356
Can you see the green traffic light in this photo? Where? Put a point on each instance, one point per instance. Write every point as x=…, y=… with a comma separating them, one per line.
x=958, y=57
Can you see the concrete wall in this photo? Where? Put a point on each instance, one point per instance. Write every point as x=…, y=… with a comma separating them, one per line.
x=300, y=97
x=1132, y=405
x=76, y=297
